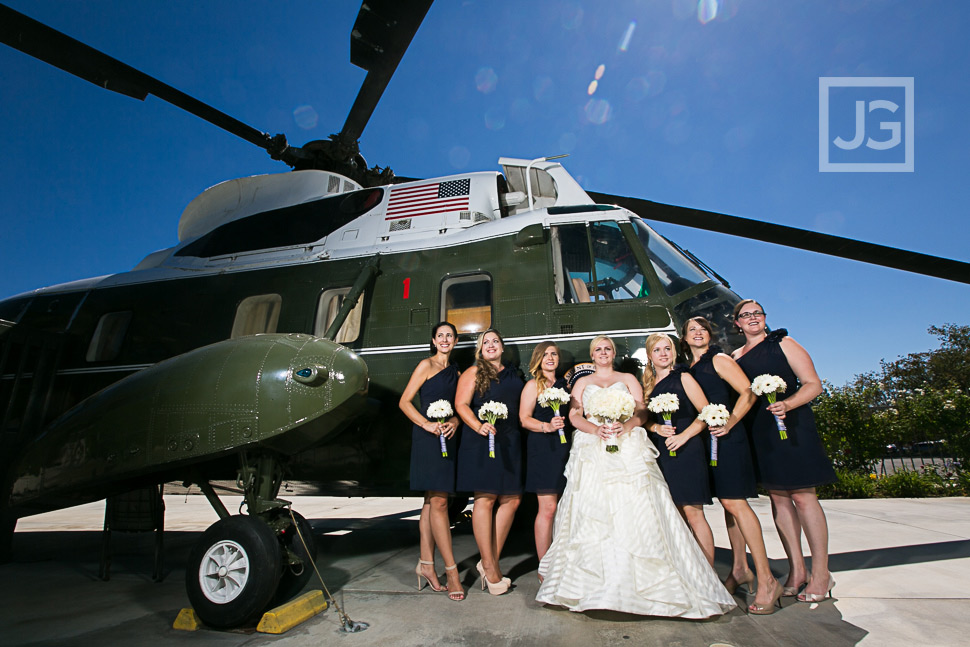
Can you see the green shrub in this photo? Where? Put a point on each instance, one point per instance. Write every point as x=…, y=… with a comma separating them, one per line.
x=851, y=485
x=907, y=484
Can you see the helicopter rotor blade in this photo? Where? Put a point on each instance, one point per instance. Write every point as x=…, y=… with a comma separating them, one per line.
x=60, y=50
x=381, y=34
x=812, y=241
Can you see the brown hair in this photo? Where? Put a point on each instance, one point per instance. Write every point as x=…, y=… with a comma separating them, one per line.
x=535, y=364
x=649, y=372
x=703, y=323
x=486, y=372
x=434, y=331
x=741, y=304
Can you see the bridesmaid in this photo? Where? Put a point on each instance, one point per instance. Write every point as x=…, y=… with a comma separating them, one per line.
x=789, y=469
x=496, y=482
x=686, y=473
x=546, y=454
x=733, y=479
x=435, y=378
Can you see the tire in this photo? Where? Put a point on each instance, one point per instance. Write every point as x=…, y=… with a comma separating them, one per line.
x=294, y=578
x=233, y=571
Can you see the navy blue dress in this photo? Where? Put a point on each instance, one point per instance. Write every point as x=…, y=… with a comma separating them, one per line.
x=733, y=476
x=800, y=461
x=545, y=455
x=477, y=472
x=685, y=473
x=430, y=471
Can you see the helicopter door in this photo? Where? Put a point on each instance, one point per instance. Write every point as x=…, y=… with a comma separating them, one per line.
x=466, y=301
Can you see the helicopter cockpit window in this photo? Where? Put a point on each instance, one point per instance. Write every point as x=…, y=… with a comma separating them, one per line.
x=106, y=342
x=466, y=301
x=595, y=263
x=300, y=224
x=543, y=187
x=256, y=314
x=675, y=271
x=327, y=308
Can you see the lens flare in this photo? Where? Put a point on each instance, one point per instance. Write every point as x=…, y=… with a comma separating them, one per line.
x=485, y=80
x=494, y=119
x=600, y=70
x=541, y=88
x=625, y=43
x=597, y=111
x=305, y=117
x=571, y=16
x=591, y=88
x=706, y=11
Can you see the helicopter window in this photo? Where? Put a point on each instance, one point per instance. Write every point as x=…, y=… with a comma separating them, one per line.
x=612, y=274
x=544, y=191
x=299, y=224
x=466, y=301
x=256, y=314
x=327, y=308
x=106, y=342
x=675, y=271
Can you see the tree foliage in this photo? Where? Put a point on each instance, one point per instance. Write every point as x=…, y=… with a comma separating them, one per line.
x=911, y=402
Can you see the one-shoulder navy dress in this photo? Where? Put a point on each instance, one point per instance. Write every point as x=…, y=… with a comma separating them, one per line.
x=800, y=461
x=733, y=476
x=685, y=473
x=430, y=471
x=545, y=454
x=477, y=472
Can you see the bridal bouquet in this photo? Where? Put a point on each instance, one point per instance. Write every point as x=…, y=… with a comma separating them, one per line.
x=770, y=386
x=490, y=412
x=611, y=405
x=440, y=410
x=714, y=415
x=554, y=398
x=665, y=404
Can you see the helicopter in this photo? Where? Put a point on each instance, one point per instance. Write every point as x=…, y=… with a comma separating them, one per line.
x=274, y=339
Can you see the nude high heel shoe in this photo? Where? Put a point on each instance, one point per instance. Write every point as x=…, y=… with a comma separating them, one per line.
x=818, y=597
x=458, y=595
x=733, y=585
x=498, y=588
x=771, y=607
x=421, y=576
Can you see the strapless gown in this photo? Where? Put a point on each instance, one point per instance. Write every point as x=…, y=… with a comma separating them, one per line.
x=618, y=541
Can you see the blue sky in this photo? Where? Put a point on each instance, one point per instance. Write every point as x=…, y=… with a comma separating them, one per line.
x=713, y=105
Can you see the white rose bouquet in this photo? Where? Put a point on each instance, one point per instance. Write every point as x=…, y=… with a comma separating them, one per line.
x=490, y=412
x=770, y=386
x=714, y=415
x=441, y=410
x=554, y=398
x=665, y=404
x=610, y=405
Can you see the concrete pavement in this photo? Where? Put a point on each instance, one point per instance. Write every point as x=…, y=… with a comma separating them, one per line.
x=901, y=565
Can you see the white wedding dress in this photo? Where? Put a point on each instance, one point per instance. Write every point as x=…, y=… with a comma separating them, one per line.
x=619, y=542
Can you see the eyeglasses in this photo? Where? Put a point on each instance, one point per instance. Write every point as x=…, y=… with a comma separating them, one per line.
x=748, y=315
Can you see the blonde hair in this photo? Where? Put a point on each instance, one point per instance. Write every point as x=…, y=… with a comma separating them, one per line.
x=649, y=372
x=486, y=373
x=596, y=340
x=535, y=364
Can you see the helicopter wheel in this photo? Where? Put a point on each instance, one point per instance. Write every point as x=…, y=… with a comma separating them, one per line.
x=295, y=576
x=233, y=571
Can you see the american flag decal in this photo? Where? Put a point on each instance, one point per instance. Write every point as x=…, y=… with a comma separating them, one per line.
x=427, y=199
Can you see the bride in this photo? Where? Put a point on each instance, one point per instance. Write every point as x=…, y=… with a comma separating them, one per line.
x=618, y=541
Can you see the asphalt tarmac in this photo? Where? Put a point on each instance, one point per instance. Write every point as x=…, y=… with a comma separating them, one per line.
x=902, y=567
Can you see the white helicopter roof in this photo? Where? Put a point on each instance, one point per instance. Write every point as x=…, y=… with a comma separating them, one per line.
x=235, y=199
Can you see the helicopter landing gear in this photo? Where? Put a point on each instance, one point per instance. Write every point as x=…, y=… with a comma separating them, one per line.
x=246, y=563
x=233, y=571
